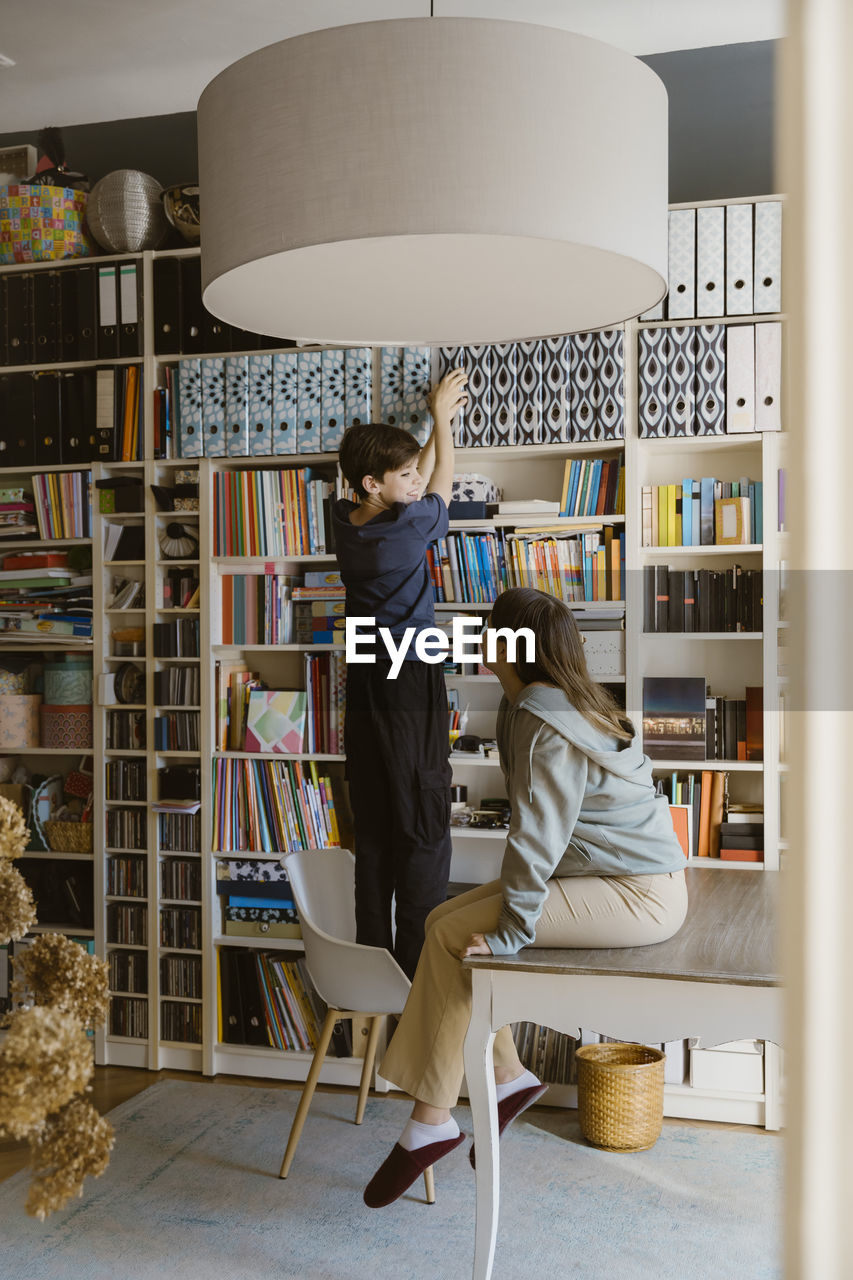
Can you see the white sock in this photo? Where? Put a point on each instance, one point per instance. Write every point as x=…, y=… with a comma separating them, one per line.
x=527, y=1080
x=416, y=1134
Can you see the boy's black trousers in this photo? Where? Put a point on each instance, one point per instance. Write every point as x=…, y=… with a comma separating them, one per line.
x=397, y=744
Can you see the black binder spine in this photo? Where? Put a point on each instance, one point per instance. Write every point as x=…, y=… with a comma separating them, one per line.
x=86, y=279
x=19, y=317
x=45, y=317
x=167, y=306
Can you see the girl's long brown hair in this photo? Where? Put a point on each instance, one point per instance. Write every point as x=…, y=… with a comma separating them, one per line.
x=559, y=656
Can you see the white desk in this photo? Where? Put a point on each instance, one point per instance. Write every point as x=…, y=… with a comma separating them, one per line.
x=645, y=994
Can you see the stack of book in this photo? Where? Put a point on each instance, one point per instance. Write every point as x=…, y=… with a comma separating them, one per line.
x=257, y=900
x=41, y=596
x=742, y=834
x=17, y=513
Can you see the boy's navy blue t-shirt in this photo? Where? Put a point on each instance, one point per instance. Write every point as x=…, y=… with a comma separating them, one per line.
x=383, y=563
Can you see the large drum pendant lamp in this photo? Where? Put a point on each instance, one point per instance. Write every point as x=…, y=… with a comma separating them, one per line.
x=435, y=180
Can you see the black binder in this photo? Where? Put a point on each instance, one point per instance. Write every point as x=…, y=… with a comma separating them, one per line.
x=130, y=308
x=18, y=423
x=45, y=317
x=86, y=282
x=105, y=431
x=254, y=1028
x=19, y=317
x=192, y=312
x=48, y=449
x=107, y=312
x=167, y=306
x=76, y=415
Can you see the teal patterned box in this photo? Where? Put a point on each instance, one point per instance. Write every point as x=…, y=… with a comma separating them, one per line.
x=213, y=406
x=285, y=401
x=310, y=402
x=334, y=401
x=260, y=406
x=237, y=406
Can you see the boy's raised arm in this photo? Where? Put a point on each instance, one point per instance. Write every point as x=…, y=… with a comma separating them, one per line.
x=445, y=402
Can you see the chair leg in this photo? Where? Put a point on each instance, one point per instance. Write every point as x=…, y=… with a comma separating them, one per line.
x=367, y=1068
x=429, y=1185
x=308, y=1092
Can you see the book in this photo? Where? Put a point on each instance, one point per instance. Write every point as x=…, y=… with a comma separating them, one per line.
x=674, y=717
x=276, y=721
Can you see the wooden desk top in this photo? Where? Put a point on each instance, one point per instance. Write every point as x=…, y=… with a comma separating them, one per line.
x=729, y=936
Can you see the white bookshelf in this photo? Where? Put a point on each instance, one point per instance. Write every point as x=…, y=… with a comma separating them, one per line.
x=729, y=660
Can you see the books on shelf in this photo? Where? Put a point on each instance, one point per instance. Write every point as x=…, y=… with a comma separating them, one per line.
x=475, y=567
x=683, y=721
x=702, y=600
x=272, y=512
x=706, y=512
x=274, y=806
x=593, y=486
x=710, y=822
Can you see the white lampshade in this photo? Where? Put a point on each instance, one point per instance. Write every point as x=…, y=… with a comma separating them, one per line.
x=435, y=180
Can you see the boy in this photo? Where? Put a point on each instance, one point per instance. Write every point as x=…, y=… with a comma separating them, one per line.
x=396, y=731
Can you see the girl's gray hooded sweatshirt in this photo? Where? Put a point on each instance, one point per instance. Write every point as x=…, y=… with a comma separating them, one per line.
x=580, y=806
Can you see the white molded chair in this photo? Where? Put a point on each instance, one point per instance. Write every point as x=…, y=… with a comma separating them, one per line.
x=353, y=980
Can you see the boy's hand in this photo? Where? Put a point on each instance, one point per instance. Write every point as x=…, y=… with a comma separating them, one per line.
x=475, y=946
x=449, y=396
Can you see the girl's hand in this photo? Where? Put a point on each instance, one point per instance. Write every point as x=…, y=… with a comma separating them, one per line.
x=475, y=946
x=449, y=396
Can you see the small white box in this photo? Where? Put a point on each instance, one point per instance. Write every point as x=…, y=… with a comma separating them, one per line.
x=737, y=1067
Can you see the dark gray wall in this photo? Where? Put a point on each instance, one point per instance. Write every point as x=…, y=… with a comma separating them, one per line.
x=721, y=104
x=721, y=125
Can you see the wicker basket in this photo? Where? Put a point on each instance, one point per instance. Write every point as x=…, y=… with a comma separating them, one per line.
x=69, y=837
x=620, y=1095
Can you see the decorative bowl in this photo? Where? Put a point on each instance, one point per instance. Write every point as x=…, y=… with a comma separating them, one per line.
x=181, y=206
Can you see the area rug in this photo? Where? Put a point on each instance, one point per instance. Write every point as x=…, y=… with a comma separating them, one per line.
x=192, y=1192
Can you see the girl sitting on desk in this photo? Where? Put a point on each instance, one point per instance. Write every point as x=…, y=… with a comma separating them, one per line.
x=591, y=860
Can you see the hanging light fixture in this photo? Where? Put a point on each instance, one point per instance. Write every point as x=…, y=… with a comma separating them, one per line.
x=435, y=180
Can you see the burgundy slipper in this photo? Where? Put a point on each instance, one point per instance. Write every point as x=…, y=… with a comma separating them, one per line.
x=512, y=1106
x=396, y=1174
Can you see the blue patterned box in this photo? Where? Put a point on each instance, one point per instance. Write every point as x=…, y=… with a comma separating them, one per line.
x=651, y=371
x=454, y=358
x=504, y=392
x=391, y=385
x=285, y=401
x=213, y=406
x=709, y=414
x=682, y=373
x=416, y=416
x=237, y=406
x=309, y=403
x=582, y=394
x=333, y=421
x=529, y=395
x=554, y=411
x=190, y=435
x=260, y=406
x=610, y=375
x=478, y=362
x=358, y=379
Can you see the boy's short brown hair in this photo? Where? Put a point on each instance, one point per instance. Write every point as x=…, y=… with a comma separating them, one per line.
x=371, y=449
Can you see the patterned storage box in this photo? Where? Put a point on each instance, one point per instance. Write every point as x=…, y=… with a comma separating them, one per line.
x=67, y=683
x=12, y=681
x=66, y=726
x=38, y=224
x=19, y=720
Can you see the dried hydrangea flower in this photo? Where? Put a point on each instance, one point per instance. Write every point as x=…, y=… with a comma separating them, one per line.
x=57, y=971
x=45, y=1060
x=72, y=1145
x=14, y=833
x=17, y=909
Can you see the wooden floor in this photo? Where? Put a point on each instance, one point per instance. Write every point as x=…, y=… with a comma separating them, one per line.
x=114, y=1085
